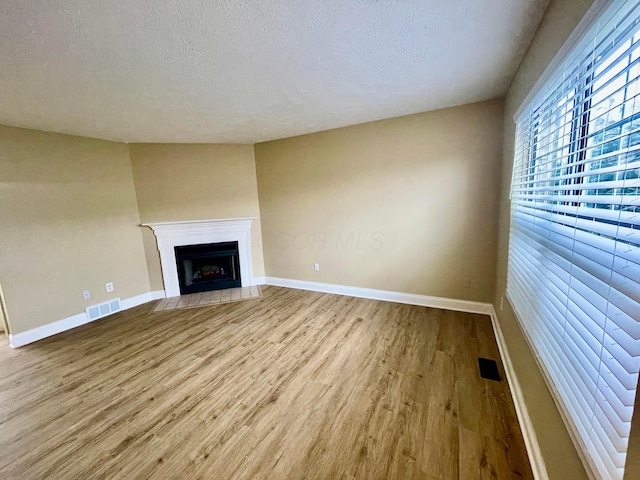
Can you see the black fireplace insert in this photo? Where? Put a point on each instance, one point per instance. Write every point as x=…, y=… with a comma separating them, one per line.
x=212, y=266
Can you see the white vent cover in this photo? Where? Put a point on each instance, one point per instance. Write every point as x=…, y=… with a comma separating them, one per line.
x=103, y=309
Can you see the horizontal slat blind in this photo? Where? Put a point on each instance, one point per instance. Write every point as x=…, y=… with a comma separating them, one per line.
x=574, y=251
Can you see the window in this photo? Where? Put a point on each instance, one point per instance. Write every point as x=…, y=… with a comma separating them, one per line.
x=574, y=248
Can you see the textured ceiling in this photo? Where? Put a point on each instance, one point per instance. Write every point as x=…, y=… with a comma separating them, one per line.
x=249, y=71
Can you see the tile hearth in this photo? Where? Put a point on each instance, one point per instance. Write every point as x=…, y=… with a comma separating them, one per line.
x=208, y=298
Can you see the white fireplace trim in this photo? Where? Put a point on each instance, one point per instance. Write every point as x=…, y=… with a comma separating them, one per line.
x=175, y=234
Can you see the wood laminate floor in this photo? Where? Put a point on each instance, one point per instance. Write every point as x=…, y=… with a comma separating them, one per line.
x=294, y=385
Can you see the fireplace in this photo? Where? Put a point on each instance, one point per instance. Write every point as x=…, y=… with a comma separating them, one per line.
x=211, y=266
x=170, y=235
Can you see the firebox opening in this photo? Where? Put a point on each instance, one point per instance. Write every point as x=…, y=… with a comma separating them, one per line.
x=212, y=266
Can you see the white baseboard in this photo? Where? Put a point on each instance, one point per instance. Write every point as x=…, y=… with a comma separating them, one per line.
x=128, y=303
x=23, y=338
x=59, y=326
x=384, y=295
x=158, y=294
x=530, y=439
x=258, y=280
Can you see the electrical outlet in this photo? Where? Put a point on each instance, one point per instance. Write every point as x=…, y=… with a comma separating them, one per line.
x=501, y=303
x=86, y=294
x=316, y=267
x=109, y=286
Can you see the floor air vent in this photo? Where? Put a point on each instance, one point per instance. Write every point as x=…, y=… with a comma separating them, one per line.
x=103, y=309
x=489, y=369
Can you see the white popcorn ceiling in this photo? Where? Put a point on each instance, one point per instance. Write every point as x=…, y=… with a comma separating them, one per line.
x=248, y=71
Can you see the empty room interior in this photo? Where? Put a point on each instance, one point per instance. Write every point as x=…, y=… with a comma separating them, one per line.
x=320, y=239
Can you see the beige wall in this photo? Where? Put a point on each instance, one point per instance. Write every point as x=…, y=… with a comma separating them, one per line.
x=69, y=222
x=560, y=456
x=632, y=467
x=177, y=182
x=407, y=204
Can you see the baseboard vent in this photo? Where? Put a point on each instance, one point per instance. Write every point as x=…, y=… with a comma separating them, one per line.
x=103, y=309
x=489, y=369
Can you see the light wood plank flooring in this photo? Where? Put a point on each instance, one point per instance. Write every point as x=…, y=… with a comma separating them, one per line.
x=294, y=385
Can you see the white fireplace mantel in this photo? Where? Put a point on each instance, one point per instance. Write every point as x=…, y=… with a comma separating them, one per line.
x=175, y=234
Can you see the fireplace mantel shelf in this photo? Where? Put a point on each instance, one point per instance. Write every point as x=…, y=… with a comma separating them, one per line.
x=193, y=232
x=199, y=224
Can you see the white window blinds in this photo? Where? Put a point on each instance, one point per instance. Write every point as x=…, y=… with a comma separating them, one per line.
x=574, y=251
